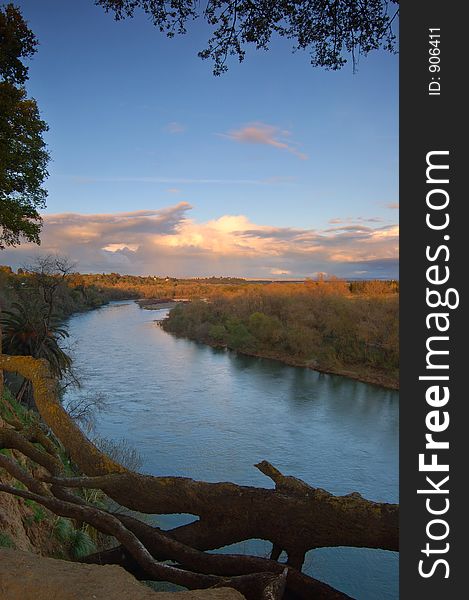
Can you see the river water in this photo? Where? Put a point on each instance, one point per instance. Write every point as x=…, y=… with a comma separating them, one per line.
x=199, y=412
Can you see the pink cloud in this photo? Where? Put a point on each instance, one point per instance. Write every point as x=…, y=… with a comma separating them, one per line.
x=338, y=220
x=268, y=135
x=175, y=127
x=168, y=241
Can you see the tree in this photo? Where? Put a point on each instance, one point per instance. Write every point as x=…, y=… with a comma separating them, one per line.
x=23, y=157
x=47, y=275
x=327, y=29
x=27, y=330
x=265, y=328
x=33, y=326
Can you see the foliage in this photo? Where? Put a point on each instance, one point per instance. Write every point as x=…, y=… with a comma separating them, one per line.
x=326, y=323
x=28, y=332
x=327, y=29
x=23, y=157
x=91, y=290
x=62, y=529
x=239, y=337
x=38, y=513
x=16, y=42
x=12, y=409
x=310, y=325
x=77, y=541
x=217, y=333
x=51, y=283
x=81, y=544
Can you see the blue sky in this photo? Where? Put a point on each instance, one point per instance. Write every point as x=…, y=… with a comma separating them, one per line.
x=139, y=123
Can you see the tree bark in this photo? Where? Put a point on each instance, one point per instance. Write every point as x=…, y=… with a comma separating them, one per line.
x=162, y=546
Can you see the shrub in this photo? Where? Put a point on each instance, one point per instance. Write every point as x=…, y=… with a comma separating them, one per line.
x=217, y=333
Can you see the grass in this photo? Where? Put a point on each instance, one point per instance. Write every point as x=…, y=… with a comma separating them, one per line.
x=6, y=541
x=11, y=408
x=81, y=544
x=63, y=529
x=77, y=541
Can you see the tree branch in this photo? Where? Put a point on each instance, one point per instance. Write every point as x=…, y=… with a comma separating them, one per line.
x=294, y=516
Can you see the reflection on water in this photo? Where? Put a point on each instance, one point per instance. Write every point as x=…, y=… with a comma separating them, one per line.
x=210, y=414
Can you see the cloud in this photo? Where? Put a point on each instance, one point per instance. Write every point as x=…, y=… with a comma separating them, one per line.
x=350, y=228
x=80, y=180
x=393, y=205
x=174, y=127
x=268, y=181
x=168, y=241
x=120, y=247
x=280, y=272
x=173, y=191
x=339, y=220
x=267, y=135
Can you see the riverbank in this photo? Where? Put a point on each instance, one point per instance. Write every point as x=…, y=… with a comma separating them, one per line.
x=53, y=292
x=214, y=414
x=328, y=334
x=365, y=376
x=155, y=304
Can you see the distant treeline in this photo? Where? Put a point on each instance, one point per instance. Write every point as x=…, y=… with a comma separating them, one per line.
x=171, y=287
x=322, y=325
x=77, y=291
x=116, y=286
x=65, y=293
x=348, y=327
x=328, y=324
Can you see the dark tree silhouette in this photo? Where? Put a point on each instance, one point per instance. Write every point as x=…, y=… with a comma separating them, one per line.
x=23, y=157
x=33, y=326
x=327, y=29
x=28, y=331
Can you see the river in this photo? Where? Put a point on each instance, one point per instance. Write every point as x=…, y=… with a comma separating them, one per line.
x=195, y=411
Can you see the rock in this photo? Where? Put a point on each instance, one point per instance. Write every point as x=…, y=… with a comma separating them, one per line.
x=26, y=576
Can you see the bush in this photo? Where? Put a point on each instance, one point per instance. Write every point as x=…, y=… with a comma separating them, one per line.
x=317, y=323
x=267, y=330
x=239, y=337
x=217, y=333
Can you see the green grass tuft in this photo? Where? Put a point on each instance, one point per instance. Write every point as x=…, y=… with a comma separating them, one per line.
x=81, y=544
x=63, y=529
x=6, y=541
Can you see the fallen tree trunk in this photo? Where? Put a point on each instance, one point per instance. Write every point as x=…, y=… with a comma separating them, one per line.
x=145, y=547
x=81, y=450
x=230, y=513
x=294, y=516
x=164, y=547
x=262, y=586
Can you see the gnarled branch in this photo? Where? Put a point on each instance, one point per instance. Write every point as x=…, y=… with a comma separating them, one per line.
x=294, y=516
